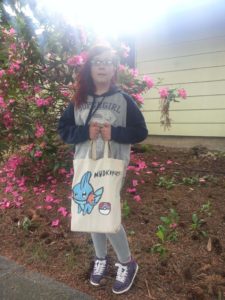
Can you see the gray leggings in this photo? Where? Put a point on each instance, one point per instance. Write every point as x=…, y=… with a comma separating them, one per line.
x=118, y=241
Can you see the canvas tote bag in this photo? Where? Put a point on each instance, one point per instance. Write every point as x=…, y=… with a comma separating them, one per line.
x=95, y=205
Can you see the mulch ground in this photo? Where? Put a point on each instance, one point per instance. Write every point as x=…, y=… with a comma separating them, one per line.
x=188, y=264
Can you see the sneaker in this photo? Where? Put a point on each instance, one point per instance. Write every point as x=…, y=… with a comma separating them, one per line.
x=125, y=277
x=99, y=271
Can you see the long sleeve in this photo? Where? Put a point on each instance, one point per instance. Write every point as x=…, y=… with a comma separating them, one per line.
x=135, y=130
x=69, y=132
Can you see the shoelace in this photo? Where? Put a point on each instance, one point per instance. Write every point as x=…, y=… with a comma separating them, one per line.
x=121, y=272
x=99, y=267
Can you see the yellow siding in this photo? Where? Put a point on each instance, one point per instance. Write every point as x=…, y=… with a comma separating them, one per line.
x=191, y=103
x=190, y=116
x=183, y=63
x=202, y=130
x=190, y=75
x=194, y=61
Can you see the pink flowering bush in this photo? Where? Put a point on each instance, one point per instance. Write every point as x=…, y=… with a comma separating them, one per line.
x=132, y=84
x=34, y=89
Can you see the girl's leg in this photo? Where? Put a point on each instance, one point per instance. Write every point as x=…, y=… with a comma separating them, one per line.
x=100, y=244
x=120, y=245
x=127, y=267
x=100, y=263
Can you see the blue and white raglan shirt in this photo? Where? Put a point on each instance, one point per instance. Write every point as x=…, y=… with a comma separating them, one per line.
x=117, y=109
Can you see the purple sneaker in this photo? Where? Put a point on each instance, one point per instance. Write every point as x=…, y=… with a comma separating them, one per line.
x=99, y=271
x=125, y=277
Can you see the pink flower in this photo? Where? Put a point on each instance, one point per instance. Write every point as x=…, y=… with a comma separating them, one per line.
x=131, y=190
x=2, y=73
x=134, y=72
x=164, y=92
x=122, y=68
x=42, y=102
x=8, y=189
x=84, y=55
x=149, y=172
x=7, y=119
x=142, y=165
x=55, y=223
x=182, y=93
x=65, y=93
x=76, y=60
x=38, y=153
x=173, y=225
x=12, y=31
x=39, y=207
x=134, y=182
x=169, y=162
x=30, y=147
x=37, y=89
x=138, y=97
x=15, y=66
x=11, y=101
x=57, y=201
x=48, y=207
x=62, y=171
x=49, y=198
x=21, y=181
x=12, y=47
x=2, y=103
x=5, y=203
x=39, y=131
x=137, y=198
x=24, y=85
x=14, y=161
x=63, y=211
x=131, y=168
x=149, y=81
x=155, y=164
x=11, y=71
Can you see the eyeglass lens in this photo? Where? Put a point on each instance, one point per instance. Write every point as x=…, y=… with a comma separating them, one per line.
x=98, y=62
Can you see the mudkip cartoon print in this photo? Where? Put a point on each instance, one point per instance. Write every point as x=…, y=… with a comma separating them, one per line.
x=85, y=196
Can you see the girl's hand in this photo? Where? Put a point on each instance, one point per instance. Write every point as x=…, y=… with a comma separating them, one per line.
x=106, y=132
x=94, y=130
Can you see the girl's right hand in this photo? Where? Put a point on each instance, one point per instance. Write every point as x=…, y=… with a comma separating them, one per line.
x=94, y=130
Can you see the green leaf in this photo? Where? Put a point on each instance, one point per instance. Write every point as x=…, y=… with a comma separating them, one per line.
x=195, y=218
x=160, y=234
x=165, y=220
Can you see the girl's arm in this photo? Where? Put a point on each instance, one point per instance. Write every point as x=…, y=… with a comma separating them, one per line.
x=69, y=132
x=135, y=130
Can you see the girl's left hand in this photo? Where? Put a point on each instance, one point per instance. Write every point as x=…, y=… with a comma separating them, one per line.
x=106, y=132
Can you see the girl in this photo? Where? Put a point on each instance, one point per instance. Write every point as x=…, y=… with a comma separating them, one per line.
x=100, y=111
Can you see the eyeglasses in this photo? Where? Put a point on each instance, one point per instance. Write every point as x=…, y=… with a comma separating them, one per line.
x=98, y=63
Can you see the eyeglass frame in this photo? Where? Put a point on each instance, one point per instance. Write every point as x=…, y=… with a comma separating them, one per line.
x=104, y=62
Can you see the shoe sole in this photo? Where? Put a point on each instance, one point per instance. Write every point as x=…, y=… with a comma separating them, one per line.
x=127, y=289
x=94, y=283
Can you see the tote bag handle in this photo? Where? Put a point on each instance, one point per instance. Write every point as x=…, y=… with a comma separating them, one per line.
x=93, y=150
x=107, y=150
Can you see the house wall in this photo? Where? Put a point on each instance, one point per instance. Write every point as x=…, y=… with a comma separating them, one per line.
x=186, y=49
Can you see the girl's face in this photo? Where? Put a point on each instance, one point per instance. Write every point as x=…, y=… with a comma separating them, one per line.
x=102, y=69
